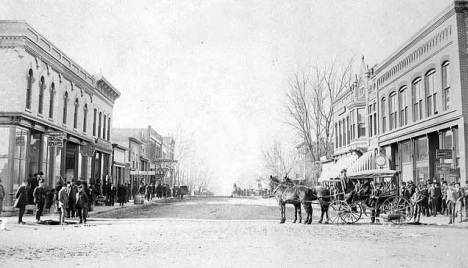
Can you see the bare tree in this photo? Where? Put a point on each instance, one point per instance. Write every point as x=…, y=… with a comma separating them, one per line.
x=279, y=161
x=309, y=105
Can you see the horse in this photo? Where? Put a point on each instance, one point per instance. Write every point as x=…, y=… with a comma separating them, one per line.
x=288, y=193
x=323, y=195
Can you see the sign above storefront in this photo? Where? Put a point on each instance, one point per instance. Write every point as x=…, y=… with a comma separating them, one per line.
x=444, y=154
x=139, y=172
x=88, y=150
x=381, y=160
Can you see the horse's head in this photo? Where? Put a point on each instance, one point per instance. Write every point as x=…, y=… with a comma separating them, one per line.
x=274, y=182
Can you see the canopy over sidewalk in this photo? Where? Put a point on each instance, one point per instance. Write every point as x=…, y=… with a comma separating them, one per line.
x=332, y=171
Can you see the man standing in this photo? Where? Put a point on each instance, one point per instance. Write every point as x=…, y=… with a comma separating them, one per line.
x=21, y=201
x=416, y=200
x=374, y=200
x=433, y=198
x=39, y=199
x=2, y=196
x=443, y=204
x=425, y=202
x=62, y=197
x=112, y=193
x=82, y=204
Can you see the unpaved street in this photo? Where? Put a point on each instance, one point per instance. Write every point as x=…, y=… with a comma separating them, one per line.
x=223, y=239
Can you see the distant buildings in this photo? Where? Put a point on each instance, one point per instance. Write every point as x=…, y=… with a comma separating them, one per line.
x=412, y=107
x=56, y=118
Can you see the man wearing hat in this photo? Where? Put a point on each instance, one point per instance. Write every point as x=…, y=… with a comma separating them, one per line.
x=82, y=204
x=39, y=199
x=374, y=201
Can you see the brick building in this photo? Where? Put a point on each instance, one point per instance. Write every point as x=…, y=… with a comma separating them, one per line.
x=413, y=106
x=46, y=96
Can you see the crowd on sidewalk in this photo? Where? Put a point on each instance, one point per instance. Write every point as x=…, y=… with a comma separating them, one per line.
x=433, y=199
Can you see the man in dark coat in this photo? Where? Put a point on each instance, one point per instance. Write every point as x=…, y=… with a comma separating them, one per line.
x=39, y=199
x=112, y=194
x=21, y=201
x=82, y=204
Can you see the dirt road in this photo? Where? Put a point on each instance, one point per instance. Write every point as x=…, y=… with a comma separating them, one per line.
x=195, y=234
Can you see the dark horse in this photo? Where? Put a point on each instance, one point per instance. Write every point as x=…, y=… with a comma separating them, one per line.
x=288, y=193
x=323, y=195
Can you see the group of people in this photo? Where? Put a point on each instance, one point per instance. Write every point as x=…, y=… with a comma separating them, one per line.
x=434, y=199
x=150, y=190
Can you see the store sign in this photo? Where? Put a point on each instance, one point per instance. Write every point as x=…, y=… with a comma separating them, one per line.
x=444, y=154
x=56, y=139
x=88, y=150
x=380, y=160
x=443, y=168
x=139, y=172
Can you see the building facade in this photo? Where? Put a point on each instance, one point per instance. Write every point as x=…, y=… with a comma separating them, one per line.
x=55, y=117
x=416, y=104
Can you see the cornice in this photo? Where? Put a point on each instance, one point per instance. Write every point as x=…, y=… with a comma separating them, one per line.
x=447, y=13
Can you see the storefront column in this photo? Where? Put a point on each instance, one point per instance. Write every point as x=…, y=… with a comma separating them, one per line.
x=462, y=143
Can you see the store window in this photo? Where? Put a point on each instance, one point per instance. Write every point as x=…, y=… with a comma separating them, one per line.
x=431, y=93
x=446, y=86
x=51, y=100
x=406, y=161
x=19, y=158
x=29, y=89
x=421, y=159
x=41, y=95
x=4, y=155
x=392, y=110
x=418, y=96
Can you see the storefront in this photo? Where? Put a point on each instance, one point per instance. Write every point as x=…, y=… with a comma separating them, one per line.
x=101, y=174
x=25, y=151
x=430, y=157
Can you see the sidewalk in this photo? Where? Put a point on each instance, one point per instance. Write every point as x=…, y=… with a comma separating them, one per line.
x=52, y=215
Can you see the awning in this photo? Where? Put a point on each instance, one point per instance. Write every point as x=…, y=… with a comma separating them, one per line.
x=365, y=162
x=334, y=170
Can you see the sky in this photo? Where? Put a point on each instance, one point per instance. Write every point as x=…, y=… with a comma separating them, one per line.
x=218, y=69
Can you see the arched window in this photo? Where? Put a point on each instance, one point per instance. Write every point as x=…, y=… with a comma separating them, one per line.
x=99, y=125
x=51, y=100
x=392, y=110
x=384, y=115
x=94, y=122
x=65, y=107
x=104, y=122
x=431, y=93
x=403, y=106
x=446, y=85
x=75, y=118
x=41, y=95
x=418, y=97
x=85, y=117
x=108, y=128
x=28, y=89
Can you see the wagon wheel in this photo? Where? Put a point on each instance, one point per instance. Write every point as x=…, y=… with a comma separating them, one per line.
x=397, y=205
x=341, y=212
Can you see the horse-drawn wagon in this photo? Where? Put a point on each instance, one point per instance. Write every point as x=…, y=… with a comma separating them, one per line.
x=359, y=189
